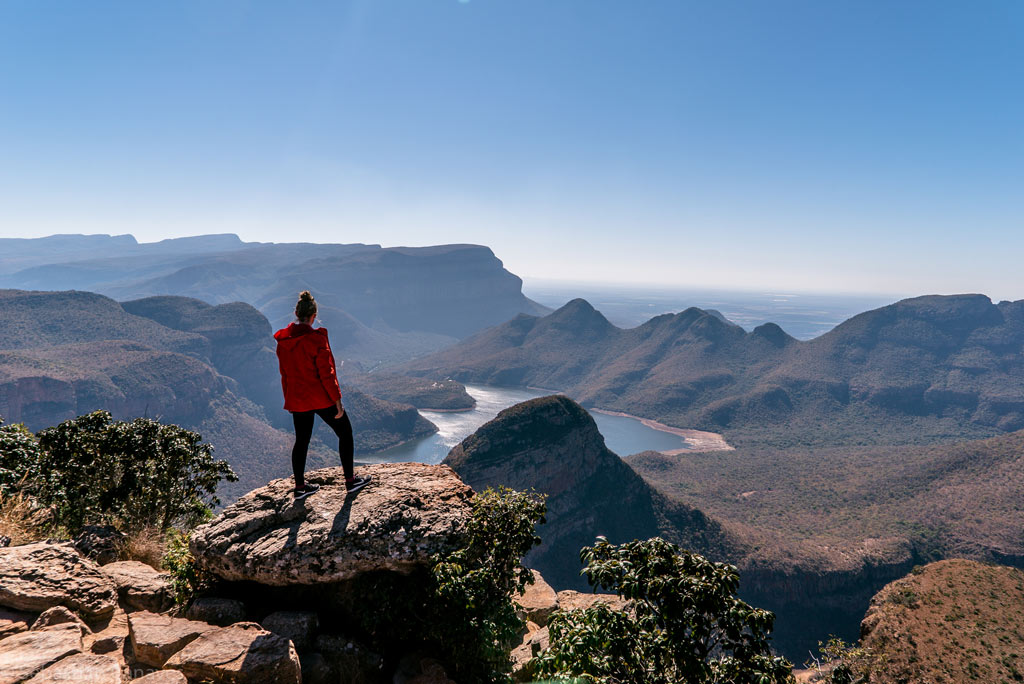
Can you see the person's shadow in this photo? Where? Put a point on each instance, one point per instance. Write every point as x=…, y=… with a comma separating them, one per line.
x=297, y=515
x=340, y=525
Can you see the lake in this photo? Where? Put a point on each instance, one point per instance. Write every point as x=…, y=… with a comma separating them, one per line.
x=623, y=435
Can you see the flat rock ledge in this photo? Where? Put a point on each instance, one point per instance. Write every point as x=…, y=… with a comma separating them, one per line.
x=243, y=652
x=35, y=577
x=25, y=654
x=408, y=513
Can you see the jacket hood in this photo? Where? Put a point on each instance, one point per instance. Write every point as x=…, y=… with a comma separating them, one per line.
x=296, y=330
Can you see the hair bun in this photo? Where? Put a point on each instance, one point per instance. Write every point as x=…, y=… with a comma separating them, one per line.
x=306, y=306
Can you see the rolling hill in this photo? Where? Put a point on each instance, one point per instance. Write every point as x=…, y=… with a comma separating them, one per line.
x=208, y=368
x=929, y=369
x=552, y=445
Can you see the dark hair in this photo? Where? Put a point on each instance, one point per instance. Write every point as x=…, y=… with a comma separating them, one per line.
x=306, y=305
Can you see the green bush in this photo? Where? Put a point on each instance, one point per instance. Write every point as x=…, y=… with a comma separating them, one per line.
x=462, y=610
x=134, y=474
x=19, y=458
x=684, y=624
x=187, y=577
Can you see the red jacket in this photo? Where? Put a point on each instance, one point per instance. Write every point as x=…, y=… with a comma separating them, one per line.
x=308, y=377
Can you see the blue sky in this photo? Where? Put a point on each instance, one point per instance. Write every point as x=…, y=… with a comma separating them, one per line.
x=816, y=145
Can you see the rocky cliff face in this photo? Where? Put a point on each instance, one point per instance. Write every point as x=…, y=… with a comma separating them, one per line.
x=44, y=387
x=552, y=445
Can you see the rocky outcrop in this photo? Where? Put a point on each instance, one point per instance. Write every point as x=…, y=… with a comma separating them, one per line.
x=14, y=622
x=216, y=611
x=299, y=627
x=409, y=512
x=59, y=615
x=577, y=600
x=162, y=677
x=34, y=577
x=155, y=637
x=81, y=668
x=23, y=655
x=140, y=587
x=99, y=543
x=537, y=638
x=538, y=601
x=240, y=653
x=552, y=445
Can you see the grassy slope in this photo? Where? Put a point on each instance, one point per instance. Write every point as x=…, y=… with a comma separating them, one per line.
x=835, y=507
x=949, y=622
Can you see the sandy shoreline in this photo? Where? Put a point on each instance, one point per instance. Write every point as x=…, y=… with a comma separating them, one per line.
x=699, y=440
x=461, y=410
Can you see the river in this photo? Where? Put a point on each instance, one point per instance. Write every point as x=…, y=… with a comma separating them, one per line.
x=623, y=435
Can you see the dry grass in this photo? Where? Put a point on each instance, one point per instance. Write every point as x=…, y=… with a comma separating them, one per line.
x=21, y=520
x=146, y=545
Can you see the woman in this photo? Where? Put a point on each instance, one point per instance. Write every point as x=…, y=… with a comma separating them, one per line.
x=310, y=386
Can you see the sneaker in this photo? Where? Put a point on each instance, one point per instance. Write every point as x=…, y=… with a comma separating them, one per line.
x=305, y=491
x=358, y=483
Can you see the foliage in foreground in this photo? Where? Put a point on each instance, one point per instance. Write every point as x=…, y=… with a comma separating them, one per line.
x=685, y=623
x=187, y=578
x=462, y=611
x=841, y=663
x=93, y=469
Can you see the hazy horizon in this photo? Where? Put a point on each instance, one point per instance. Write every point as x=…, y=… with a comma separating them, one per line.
x=821, y=147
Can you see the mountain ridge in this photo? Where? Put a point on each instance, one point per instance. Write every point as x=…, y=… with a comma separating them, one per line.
x=929, y=368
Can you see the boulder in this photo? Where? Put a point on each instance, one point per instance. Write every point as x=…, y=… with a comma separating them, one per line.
x=140, y=587
x=38, y=576
x=5, y=541
x=572, y=600
x=533, y=643
x=13, y=622
x=81, y=668
x=539, y=600
x=296, y=626
x=59, y=615
x=243, y=652
x=109, y=636
x=25, y=654
x=99, y=543
x=216, y=611
x=155, y=638
x=162, y=677
x=408, y=513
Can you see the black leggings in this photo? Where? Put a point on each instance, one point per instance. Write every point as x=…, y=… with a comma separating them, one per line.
x=304, y=431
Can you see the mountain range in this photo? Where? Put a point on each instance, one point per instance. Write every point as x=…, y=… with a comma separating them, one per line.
x=928, y=369
x=384, y=304
x=208, y=368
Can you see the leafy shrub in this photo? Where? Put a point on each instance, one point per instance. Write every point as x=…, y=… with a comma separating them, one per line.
x=462, y=610
x=19, y=458
x=187, y=577
x=135, y=474
x=841, y=663
x=685, y=623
